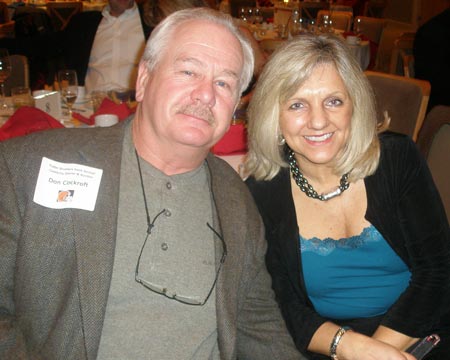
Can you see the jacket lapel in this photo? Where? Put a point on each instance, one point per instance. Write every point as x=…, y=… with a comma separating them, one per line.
x=95, y=235
x=226, y=296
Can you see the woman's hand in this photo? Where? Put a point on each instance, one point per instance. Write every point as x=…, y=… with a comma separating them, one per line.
x=356, y=346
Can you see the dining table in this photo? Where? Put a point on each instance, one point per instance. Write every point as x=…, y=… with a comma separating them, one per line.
x=270, y=36
x=361, y=51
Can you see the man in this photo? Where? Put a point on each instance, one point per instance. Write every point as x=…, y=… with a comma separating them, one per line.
x=158, y=250
x=105, y=47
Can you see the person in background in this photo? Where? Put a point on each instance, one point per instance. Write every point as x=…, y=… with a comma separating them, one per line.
x=432, y=57
x=358, y=238
x=105, y=47
x=159, y=250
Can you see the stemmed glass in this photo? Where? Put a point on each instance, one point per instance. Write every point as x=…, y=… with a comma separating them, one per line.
x=68, y=86
x=5, y=72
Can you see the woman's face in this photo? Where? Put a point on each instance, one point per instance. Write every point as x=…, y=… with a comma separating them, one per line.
x=315, y=121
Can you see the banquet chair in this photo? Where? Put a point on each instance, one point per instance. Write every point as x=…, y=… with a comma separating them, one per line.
x=235, y=6
x=270, y=45
x=369, y=27
x=4, y=13
x=347, y=8
x=341, y=20
x=7, y=30
x=402, y=58
x=391, y=31
x=20, y=75
x=62, y=12
x=375, y=8
x=404, y=99
x=31, y=21
x=434, y=144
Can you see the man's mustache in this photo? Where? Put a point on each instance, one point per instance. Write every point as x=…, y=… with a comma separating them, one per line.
x=201, y=112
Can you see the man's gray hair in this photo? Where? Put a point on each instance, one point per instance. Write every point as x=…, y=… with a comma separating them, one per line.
x=162, y=34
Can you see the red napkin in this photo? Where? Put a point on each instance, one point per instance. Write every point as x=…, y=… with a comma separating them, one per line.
x=27, y=120
x=106, y=107
x=233, y=142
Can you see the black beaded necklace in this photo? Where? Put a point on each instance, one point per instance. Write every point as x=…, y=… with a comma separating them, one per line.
x=306, y=187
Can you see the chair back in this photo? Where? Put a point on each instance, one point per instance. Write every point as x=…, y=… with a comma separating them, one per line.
x=438, y=161
x=4, y=13
x=434, y=143
x=391, y=31
x=236, y=5
x=340, y=20
x=346, y=8
x=375, y=8
x=270, y=45
x=402, y=57
x=31, y=21
x=369, y=27
x=7, y=29
x=434, y=120
x=61, y=12
x=405, y=100
x=20, y=75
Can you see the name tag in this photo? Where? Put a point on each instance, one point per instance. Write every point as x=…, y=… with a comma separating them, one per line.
x=67, y=186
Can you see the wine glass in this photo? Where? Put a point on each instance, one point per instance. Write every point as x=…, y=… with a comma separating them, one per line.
x=68, y=86
x=5, y=72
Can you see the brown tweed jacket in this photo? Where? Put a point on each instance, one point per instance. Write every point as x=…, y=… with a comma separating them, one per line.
x=56, y=265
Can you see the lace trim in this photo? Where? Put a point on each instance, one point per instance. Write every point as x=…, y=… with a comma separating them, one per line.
x=327, y=245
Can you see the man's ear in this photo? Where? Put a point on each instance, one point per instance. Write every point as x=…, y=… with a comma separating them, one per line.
x=141, y=82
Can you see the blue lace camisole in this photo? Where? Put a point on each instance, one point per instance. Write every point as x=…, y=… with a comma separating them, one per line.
x=356, y=277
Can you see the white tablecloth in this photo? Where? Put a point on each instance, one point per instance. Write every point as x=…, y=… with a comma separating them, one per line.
x=361, y=52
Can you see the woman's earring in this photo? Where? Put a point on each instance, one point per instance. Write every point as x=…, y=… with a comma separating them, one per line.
x=281, y=140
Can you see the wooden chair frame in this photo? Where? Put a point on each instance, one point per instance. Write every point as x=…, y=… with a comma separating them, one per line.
x=54, y=10
x=336, y=18
x=424, y=87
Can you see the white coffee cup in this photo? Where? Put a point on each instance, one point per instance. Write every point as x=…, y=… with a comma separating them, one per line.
x=353, y=40
x=106, y=120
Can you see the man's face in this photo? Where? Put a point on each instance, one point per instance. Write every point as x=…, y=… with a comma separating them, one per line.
x=190, y=96
x=117, y=7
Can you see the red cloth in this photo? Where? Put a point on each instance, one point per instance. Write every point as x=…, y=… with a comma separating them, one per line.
x=27, y=120
x=233, y=142
x=106, y=107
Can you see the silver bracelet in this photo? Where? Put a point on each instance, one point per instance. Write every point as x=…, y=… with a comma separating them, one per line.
x=336, y=339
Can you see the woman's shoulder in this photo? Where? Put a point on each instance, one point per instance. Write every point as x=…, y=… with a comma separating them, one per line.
x=397, y=146
x=263, y=186
x=399, y=158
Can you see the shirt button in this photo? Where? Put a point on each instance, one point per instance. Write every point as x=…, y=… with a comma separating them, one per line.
x=169, y=185
x=164, y=246
x=167, y=213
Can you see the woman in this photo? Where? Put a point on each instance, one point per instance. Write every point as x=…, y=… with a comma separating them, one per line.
x=358, y=240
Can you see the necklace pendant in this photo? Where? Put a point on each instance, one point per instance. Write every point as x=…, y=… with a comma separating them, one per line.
x=331, y=194
x=306, y=187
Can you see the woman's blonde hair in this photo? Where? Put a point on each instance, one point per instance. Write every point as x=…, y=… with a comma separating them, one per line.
x=285, y=72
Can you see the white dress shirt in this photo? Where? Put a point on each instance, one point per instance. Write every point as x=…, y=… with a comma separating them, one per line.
x=118, y=46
